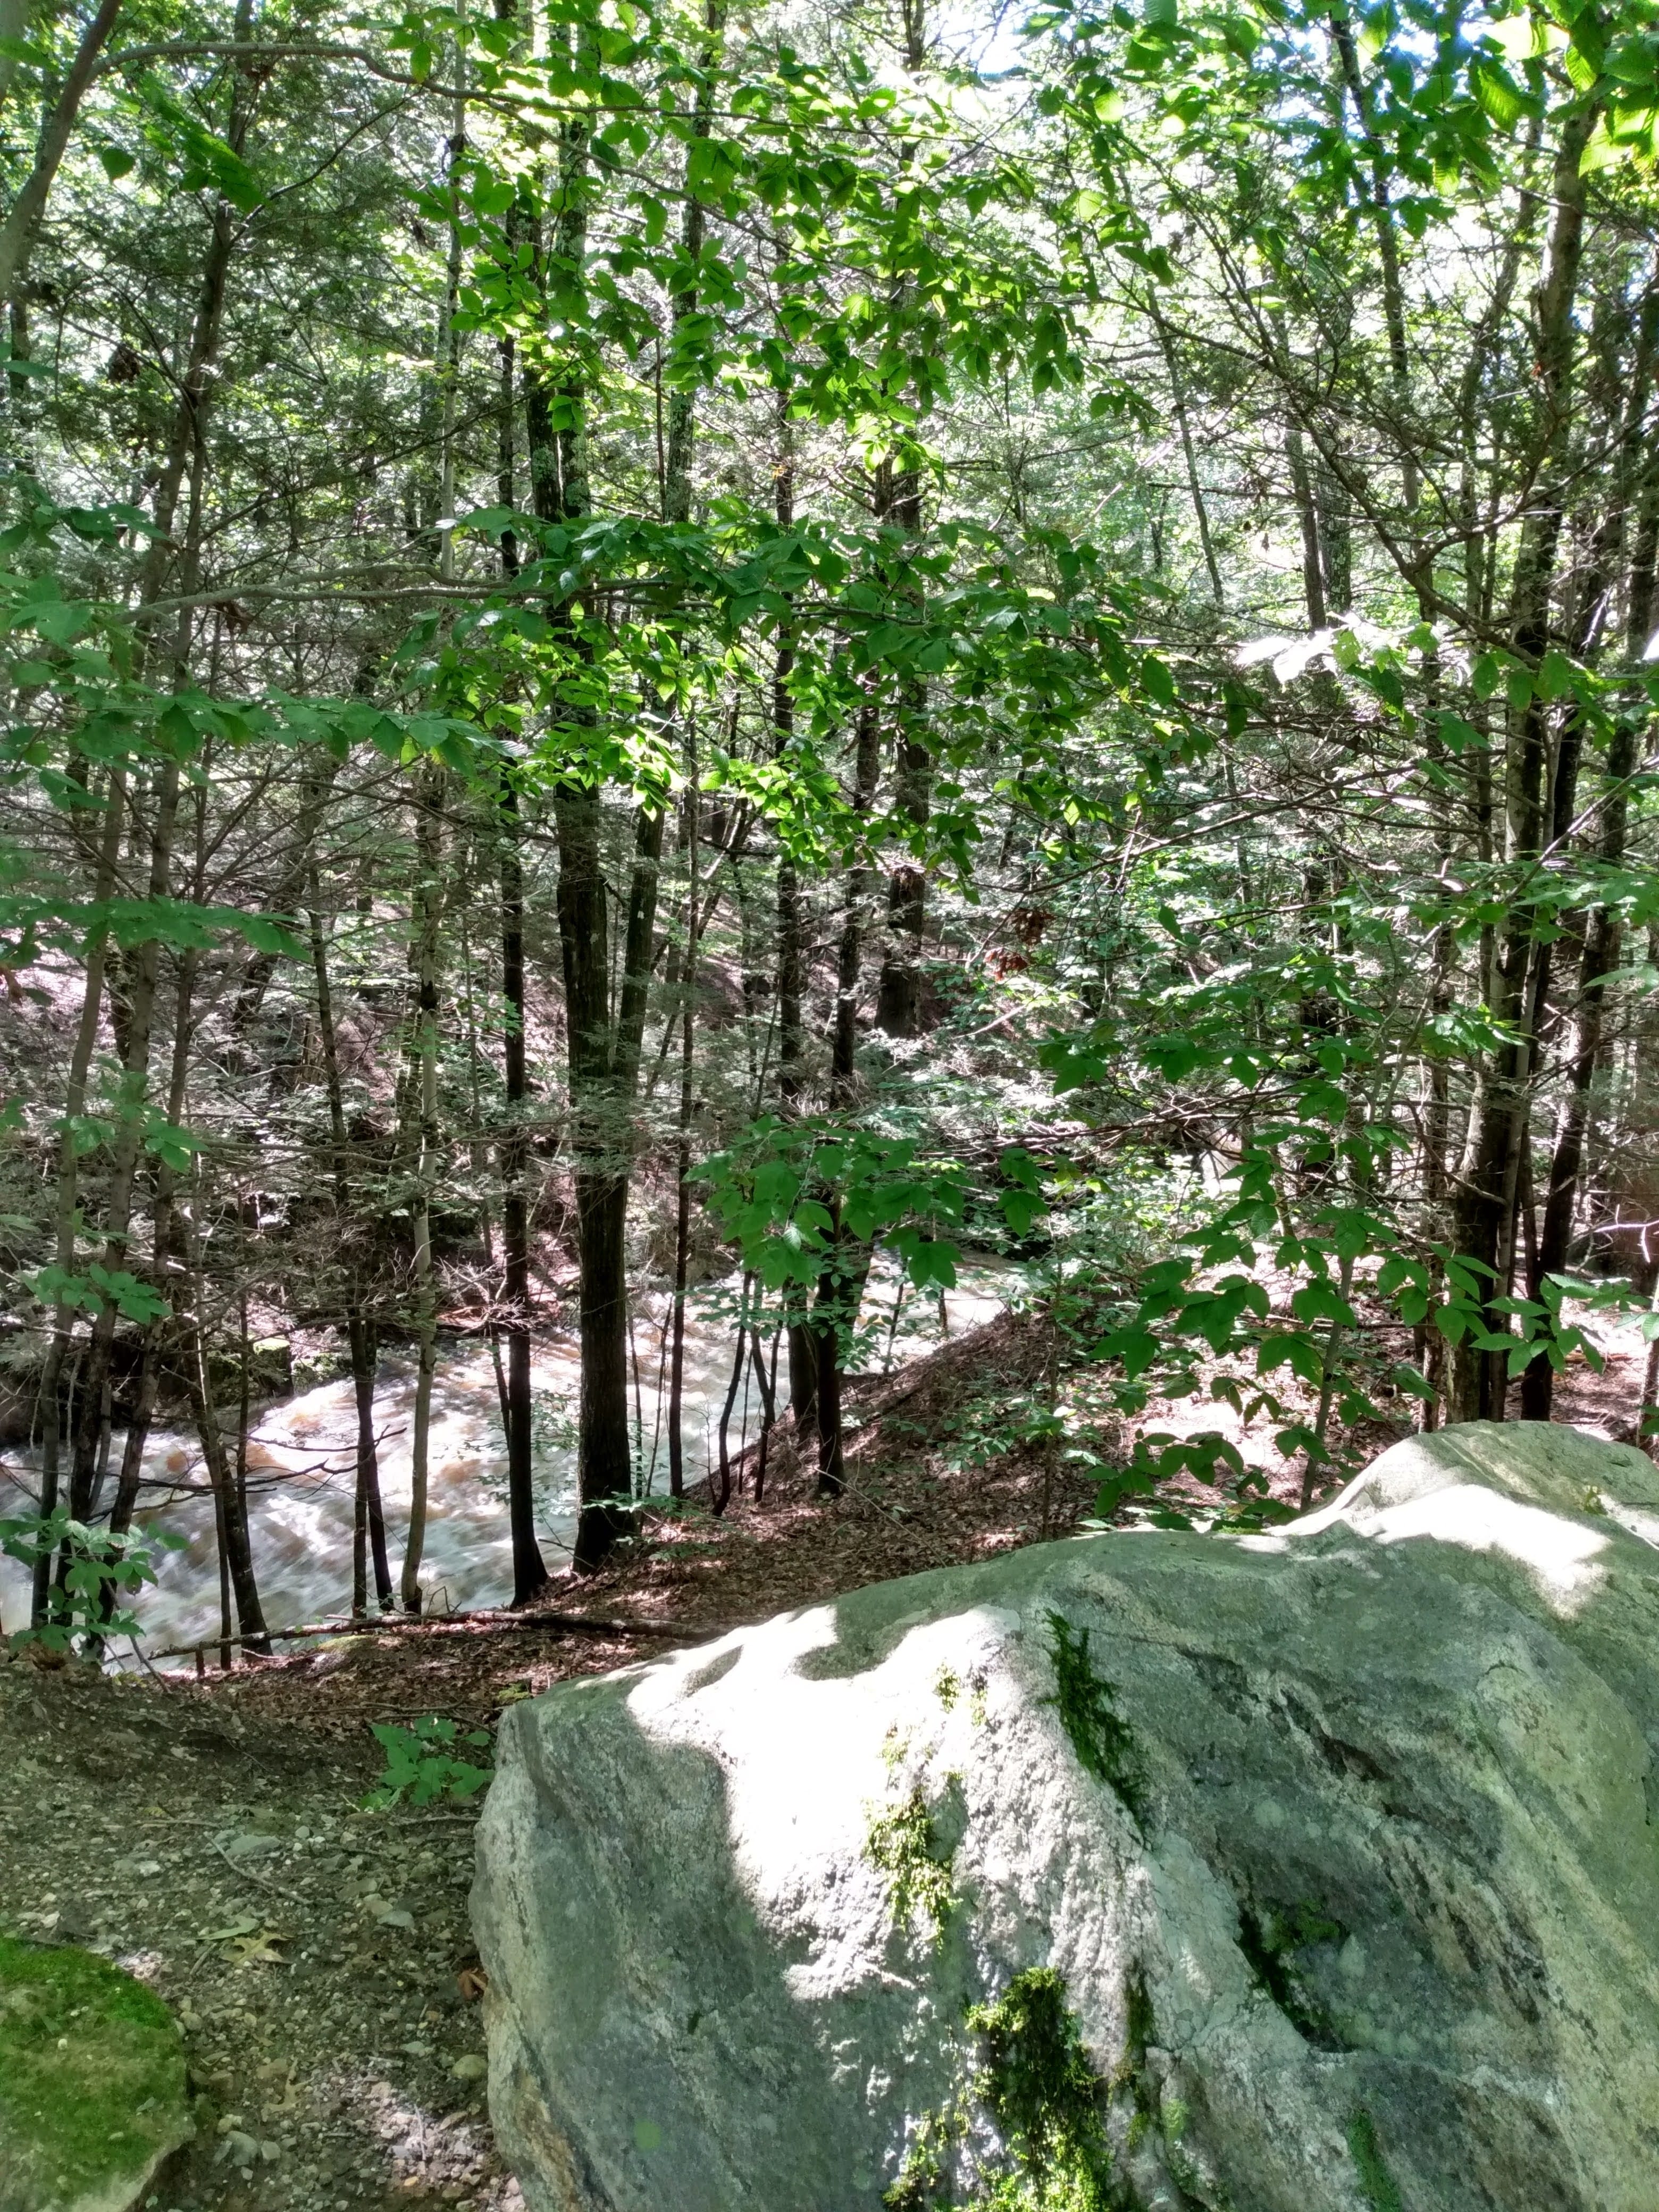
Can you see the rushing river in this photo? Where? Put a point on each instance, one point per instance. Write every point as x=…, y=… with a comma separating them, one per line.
x=303, y=1454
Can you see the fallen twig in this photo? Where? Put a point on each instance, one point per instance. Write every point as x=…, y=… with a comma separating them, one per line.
x=484, y=1622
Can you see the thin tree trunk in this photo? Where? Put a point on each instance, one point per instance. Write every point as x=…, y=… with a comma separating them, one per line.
x=837, y=1302
x=67, y=1199
x=1486, y=1196
x=899, y=1009
x=368, y=1518
x=163, y=1240
x=803, y=1364
x=1599, y=956
x=682, y=1143
x=720, y=1485
x=1194, y=487
x=186, y=450
x=603, y=1044
x=530, y=1574
x=126, y=1152
x=22, y=223
x=429, y=910
x=235, y=1546
x=766, y=1382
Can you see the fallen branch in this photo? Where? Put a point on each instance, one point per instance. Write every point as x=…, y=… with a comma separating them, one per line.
x=481, y=1623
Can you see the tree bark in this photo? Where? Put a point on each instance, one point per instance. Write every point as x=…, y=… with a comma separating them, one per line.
x=1599, y=956
x=66, y=1197
x=682, y=1143
x=841, y=1281
x=530, y=1574
x=236, y=1548
x=603, y=1044
x=22, y=223
x=428, y=912
x=1484, y=1203
x=369, y=1517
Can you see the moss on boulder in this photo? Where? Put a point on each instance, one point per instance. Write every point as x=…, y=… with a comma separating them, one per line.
x=92, y=2081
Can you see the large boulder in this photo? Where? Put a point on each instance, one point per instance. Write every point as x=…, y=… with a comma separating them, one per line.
x=1285, y=1874
x=92, y=2081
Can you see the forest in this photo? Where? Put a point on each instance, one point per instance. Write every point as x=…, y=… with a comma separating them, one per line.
x=682, y=680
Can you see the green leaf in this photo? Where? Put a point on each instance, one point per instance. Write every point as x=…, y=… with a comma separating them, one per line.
x=1407, y=1377
x=1497, y=95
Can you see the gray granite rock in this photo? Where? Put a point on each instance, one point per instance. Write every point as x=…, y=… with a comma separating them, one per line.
x=1331, y=1855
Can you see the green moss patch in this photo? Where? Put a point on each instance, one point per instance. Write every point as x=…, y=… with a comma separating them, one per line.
x=905, y=1845
x=1045, y=2097
x=91, y=2078
x=1380, y=2189
x=1034, y=2081
x=1087, y=1705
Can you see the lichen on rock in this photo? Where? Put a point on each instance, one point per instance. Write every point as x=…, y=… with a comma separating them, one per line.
x=92, y=2081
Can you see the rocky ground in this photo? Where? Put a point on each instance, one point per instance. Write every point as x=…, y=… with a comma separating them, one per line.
x=318, y=1955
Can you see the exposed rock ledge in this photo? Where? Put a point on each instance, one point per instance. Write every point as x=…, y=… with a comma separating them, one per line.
x=1323, y=1873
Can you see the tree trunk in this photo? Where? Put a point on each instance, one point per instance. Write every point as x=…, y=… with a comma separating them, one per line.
x=1484, y=1201
x=164, y=1232
x=683, y=1145
x=603, y=1044
x=529, y=1570
x=1599, y=956
x=235, y=1547
x=899, y=1009
x=126, y=1151
x=803, y=1364
x=66, y=1197
x=368, y=1518
x=429, y=836
x=186, y=450
x=22, y=223
x=836, y=1305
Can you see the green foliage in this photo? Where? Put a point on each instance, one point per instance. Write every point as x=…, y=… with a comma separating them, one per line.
x=422, y=1763
x=99, y=1287
x=788, y=1189
x=1086, y=1704
x=92, y=1570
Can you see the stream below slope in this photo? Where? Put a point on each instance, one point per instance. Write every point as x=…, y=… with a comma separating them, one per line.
x=301, y=1461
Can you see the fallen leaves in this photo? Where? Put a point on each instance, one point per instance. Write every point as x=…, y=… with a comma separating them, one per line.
x=247, y=1942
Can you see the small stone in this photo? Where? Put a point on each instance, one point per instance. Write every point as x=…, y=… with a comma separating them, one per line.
x=471, y=2066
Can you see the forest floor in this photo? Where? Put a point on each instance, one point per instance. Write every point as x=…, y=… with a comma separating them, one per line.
x=210, y=1834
